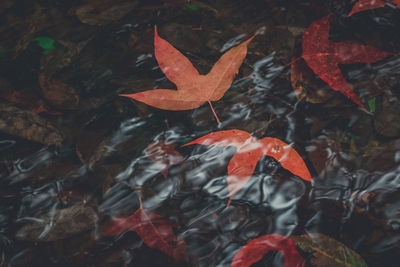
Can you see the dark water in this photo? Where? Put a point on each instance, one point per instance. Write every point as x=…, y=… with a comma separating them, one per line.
x=75, y=154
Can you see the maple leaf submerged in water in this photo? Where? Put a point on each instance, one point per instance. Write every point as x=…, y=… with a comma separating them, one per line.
x=255, y=250
x=249, y=151
x=155, y=231
x=323, y=56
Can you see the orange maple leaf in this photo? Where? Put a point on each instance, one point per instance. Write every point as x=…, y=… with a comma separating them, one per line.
x=194, y=89
x=249, y=151
x=364, y=5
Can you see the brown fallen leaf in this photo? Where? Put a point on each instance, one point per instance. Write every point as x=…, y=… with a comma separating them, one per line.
x=61, y=58
x=387, y=117
x=99, y=13
x=325, y=153
x=380, y=156
x=327, y=252
x=86, y=144
x=59, y=225
x=306, y=86
x=28, y=100
x=28, y=125
x=58, y=93
x=44, y=165
x=107, y=173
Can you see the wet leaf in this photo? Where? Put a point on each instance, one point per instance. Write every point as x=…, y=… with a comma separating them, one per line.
x=363, y=5
x=58, y=93
x=155, y=232
x=202, y=5
x=192, y=7
x=103, y=12
x=387, y=117
x=193, y=89
x=29, y=101
x=163, y=155
x=87, y=144
x=249, y=151
x=60, y=224
x=49, y=173
x=40, y=19
x=324, y=56
x=371, y=104
x=296, y=79
x=256, y=249
x=327, y=252
x=102, y=151
x=108, y=172
x=324, y=153
x=47, y=43
x=306, y=86
x=28, y=125
x=61, y=58
x=119, y=142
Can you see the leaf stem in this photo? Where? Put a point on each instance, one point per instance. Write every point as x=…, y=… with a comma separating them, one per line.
x=140, y=201
x=215, y=114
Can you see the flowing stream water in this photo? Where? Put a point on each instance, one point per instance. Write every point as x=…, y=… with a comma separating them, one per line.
x=75, y=155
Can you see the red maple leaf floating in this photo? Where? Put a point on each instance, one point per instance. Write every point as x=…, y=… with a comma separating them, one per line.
x=193, y=89
x=324, y=56
x=364, y=5
x=249, y=151
x=155, y=232
x=163, y=155
x=257, y=248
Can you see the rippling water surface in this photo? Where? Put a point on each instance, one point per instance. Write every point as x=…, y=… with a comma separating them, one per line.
x=77, y=157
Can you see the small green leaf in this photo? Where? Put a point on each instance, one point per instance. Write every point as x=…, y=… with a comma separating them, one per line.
x=371, y=104
x=355, y=262
x=45, y=42
x=192, y=7
x=48, y=44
